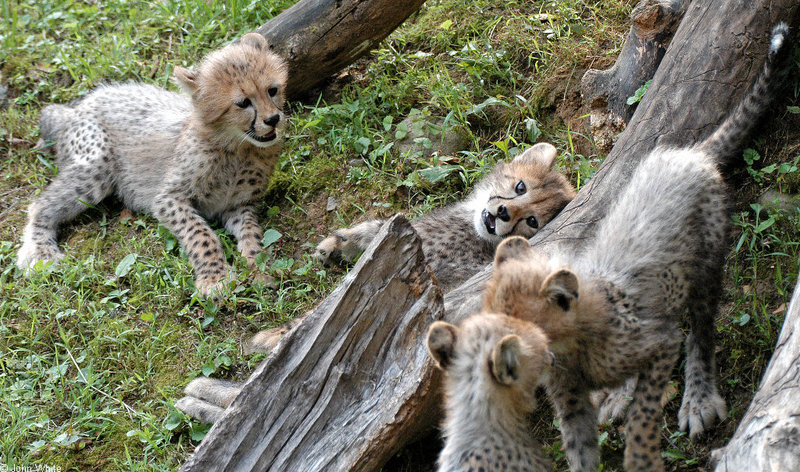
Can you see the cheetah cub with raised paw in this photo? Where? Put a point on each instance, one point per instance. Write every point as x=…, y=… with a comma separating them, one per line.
x=492, y=365
x=181, y=159
x=516, y=198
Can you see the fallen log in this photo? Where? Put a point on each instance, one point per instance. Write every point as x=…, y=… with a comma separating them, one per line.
x=350, y=385
x=319, y=37
x=768, y=437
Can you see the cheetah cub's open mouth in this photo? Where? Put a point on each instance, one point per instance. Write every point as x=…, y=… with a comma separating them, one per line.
x=489, y=221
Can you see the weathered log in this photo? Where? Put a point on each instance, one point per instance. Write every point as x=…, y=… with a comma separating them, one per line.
x=606, y=92
x=768, y=437
x=351, y=385
x=320, y=37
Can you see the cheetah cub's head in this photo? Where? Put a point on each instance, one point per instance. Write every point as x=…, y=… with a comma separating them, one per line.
x=531, y=287
x=491, y=362
x=521, y=196
x=238, y=92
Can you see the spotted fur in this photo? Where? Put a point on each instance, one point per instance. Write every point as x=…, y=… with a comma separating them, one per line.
x=182, y=160
x=492, y=365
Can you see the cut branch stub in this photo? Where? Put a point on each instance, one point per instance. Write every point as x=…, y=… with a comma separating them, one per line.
x=352, y=384
x=320, y=37
x=768, y=437
x=606, y=92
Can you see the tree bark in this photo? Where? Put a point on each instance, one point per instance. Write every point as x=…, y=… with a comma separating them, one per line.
x=351, y=385
x=606, y=92
x=768, y=437
x=343, y=392
x=320, y=37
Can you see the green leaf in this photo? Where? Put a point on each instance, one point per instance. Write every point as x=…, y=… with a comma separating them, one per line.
x=270, y=237
x=208, y=368
x=402, y=130
x=532, y=127
x=125, y=265
x=173, y=420
x=793, y=109
x=446, y=24
x=199, y=432
x=147, y=317
x=639, y=93
x=436, y=174
x=387, y=122
x=750, y=156
x=765, y=224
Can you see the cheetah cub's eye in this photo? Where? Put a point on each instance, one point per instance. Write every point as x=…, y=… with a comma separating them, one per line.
x=272, y=91
x=531, y=221
x=243, y=103
x=520, y=188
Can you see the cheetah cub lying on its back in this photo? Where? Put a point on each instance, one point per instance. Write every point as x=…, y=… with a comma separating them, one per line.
x=492, y=365
x=516, y=198
x=180, y=159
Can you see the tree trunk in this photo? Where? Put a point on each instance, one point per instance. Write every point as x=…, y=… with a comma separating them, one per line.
x=343, y=393
x=351, y=385
x=768, y=437
x=319, y=37
x=606, y=92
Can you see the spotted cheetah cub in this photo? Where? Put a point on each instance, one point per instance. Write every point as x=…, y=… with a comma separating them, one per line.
x=515, y=198
x=492, y=365
x=181, y=159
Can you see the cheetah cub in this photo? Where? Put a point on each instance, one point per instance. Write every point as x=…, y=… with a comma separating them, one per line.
x=181, y=159
x=492, y=365
x=516, y=198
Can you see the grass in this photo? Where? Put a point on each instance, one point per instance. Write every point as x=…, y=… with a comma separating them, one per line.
x=96, y=349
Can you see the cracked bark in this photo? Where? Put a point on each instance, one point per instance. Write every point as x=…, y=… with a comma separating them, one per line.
x=316, y=405
x=768, y=437
x=320, y=37
x=351, y=385
x=606, y=92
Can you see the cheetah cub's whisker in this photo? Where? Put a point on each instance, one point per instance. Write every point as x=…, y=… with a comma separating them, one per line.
x=180, y=159
x=492, y=365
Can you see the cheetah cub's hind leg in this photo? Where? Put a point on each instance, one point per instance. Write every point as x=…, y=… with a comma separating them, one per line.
x=84, y=178
x=347, y=243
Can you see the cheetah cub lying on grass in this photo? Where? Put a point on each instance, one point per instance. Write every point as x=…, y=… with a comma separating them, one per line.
x=612, y=311
x=182, y=160
x=492, y=365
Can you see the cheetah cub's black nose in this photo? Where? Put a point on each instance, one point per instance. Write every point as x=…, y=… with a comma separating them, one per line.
x=273, y=120
x=502, y=213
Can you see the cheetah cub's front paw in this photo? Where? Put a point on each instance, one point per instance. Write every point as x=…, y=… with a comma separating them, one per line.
x=30, y=253
x=701, y=408
x=213, y=288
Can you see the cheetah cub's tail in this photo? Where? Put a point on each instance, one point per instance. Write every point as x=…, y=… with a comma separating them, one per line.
x=726, y=142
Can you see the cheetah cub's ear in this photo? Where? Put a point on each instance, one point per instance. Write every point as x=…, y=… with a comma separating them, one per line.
x=254, y=40
x=186, y=79
x=506, y=360
x=441, y=342
x=542, y=153
x=515, y=247
x=561, y=288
